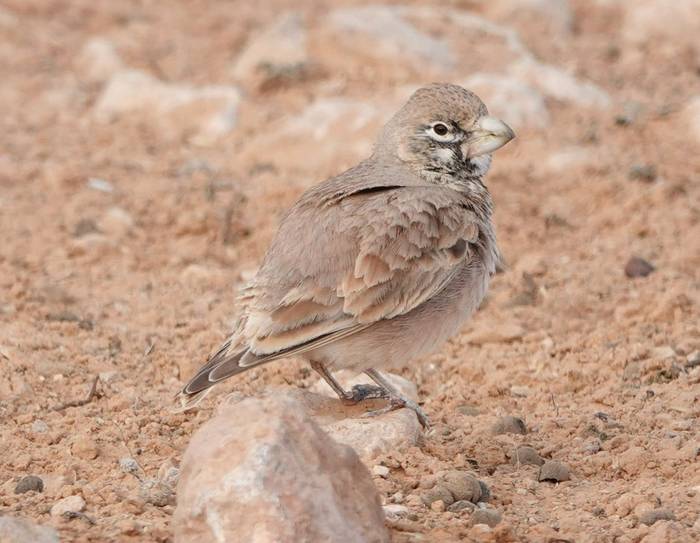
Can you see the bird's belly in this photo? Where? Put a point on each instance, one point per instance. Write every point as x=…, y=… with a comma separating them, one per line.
x=399, y=341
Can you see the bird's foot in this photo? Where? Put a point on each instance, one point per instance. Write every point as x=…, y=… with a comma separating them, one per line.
x=396, y=401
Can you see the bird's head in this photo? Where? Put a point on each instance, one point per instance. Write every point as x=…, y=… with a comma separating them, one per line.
x=444, y=131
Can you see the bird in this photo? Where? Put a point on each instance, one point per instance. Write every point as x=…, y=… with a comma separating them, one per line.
x=378, y=266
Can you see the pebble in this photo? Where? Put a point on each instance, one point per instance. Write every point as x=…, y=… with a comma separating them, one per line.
x=438, y=493
x=554, y=472
x=381, y=471
x=40, y=427
x=438, y=506
x=642, y=172
x=509, y=425
x=638, y=267
x=462, y=486
x=70, y=504
x=30, y=482
x=528, y=456
x=128, y=465
x=85, y=448
x=101, y=185
x=650, y=517
x=461, y=505
x=395, y=511
x=156, y=493
x=487, y=516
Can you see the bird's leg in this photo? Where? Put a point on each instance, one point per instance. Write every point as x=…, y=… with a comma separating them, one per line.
x=358, y=392
x=384, y=391
x=396, y=399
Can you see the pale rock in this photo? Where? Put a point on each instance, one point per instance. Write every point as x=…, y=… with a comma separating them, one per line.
x=374, y=436
x=19, y=530
x=394, y=511
x=556, y=83
x=495, y=333
x=511, y=100
x=533, y=16
x=384, y=32
x=208, y=112
x=85, y=448
x=568, y=159
x=101, y=185
x=280, y=46
x=69, y=504
x=40, y=427
x=380, y=471
x=116, y=222
x=262, y=462
x=98, y=60
x=489, y=517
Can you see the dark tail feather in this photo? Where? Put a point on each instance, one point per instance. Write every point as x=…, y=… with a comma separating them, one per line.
x=220, y=366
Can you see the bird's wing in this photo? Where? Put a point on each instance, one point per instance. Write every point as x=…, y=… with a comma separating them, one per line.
x=374, y=255
x=336, y=266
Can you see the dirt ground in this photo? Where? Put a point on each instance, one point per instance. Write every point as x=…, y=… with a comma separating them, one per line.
x=123, y=240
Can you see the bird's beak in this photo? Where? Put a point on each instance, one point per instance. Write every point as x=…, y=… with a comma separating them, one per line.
x=488, y=135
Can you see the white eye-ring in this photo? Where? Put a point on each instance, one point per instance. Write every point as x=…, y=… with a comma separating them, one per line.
x=440, y=132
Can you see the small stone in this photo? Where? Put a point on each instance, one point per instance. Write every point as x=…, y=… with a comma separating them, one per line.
x=128, y=465
x=650, y=517
x=553, y=472
x=101, y=185
x=85, y=227
x=40, y=427
x=461, y=505
x=30, y=482
x=85, y=448
x=462, y=486
x=438, y=492
x=485, y=491
x=156, y=493
x=395, y=511
x=438, y=506
x=629, y=114
x=70, y=504
x=693, y=360
x=642, y=172
x=487, y=516
x=528, y=456
x=381, y=471
x=638, y=267
x=509, y=425
x=19, y=530
x=116, y=222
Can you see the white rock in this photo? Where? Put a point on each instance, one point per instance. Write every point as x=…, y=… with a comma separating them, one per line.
x=210, y=111
x=40, y=427
x=395, y=511
x=70, y=504
x=282, y=45
x=264, y=471
x=380, y=471
x=569, y=159
x=101, y=185
x=98, y=60
x=19, y=530
x=116, y=222
x=558, y=84
x=391, y=35
x=517, y=103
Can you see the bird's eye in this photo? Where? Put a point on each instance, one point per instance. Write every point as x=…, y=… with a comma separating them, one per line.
x=440, y=129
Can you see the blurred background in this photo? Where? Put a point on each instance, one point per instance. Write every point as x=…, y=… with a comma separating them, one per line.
x=148, y=150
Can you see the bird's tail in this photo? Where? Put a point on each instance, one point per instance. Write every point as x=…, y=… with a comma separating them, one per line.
x=222, y=365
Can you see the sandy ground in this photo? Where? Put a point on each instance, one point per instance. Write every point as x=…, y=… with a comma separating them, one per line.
x=123, y=239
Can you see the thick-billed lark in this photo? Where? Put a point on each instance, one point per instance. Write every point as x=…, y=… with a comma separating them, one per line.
x=380, y=265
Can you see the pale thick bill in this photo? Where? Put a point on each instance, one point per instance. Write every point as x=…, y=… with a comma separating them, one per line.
x=490, y=134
